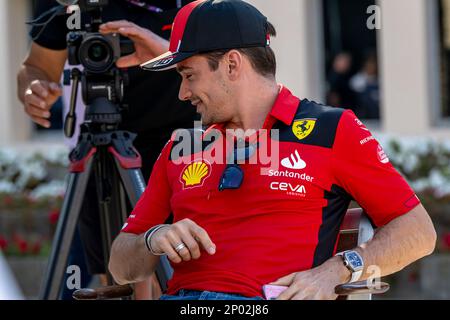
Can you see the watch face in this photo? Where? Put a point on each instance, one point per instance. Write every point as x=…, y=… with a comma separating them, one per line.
x=354, y=260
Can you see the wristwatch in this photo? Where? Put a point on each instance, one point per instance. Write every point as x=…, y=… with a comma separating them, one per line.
x=354, y=262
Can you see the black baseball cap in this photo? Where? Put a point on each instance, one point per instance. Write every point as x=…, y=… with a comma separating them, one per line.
x=208, y=25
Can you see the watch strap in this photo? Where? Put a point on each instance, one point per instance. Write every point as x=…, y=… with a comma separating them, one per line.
x=356, y=276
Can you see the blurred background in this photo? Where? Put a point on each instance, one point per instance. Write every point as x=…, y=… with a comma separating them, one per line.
x=388, y=60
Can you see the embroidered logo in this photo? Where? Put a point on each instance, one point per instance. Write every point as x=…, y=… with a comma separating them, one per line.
x=302, y=128
x=195, y=174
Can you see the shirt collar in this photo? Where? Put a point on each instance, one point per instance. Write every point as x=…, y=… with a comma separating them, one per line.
x=285, y=106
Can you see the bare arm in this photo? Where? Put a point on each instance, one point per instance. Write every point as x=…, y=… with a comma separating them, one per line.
x=130, y=260
x=400, y=243
x=38, y=79
x=394, y=246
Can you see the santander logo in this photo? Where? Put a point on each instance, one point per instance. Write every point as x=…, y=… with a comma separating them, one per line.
x=293, y=162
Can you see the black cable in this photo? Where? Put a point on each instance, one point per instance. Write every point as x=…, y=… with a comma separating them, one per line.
x=35, y=22
x=54, y=12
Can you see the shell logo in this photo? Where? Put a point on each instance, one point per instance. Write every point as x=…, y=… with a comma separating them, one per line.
x=195, y=174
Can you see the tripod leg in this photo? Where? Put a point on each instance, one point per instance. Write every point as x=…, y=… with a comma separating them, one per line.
x=65, y=230
x=112, y=204
x=133, y=182
x=128, y=163
x=134, y=187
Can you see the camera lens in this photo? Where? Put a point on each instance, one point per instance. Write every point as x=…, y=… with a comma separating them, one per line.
x=96, y=54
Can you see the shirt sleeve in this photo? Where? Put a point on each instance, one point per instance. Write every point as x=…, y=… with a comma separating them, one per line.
x=363, y=169
x=53, y=35
x=153, y=206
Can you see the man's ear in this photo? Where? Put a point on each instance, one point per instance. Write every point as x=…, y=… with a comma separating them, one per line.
x=234, y=63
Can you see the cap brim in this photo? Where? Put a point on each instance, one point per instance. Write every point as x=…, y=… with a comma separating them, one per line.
x=166, y=61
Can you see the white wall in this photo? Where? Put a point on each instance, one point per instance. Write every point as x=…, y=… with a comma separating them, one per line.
x=14, y=125
x=299, y=44
x=408, y=46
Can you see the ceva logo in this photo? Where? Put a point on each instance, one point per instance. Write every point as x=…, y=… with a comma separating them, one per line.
x=285, y=186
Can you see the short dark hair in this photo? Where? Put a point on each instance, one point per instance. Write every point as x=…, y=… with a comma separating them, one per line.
x=262, y=58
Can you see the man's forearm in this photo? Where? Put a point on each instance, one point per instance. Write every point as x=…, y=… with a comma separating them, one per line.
x=130, y=260
x=398, y=244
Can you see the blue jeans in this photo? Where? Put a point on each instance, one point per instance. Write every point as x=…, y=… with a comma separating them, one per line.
x=206, y=295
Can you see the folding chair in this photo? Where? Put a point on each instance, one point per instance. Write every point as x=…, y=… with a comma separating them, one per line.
x=355, y=229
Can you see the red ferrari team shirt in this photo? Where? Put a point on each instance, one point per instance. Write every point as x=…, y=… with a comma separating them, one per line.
x=286, y=215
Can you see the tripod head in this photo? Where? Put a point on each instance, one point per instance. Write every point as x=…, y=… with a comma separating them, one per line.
x=102, y=83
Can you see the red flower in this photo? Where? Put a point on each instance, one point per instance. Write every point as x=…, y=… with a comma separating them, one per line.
x=20, y=243
x=446, y=240
x=413, y=277
x=36, y=247
x=3, y=243
x=23, y=247
x=53, y=216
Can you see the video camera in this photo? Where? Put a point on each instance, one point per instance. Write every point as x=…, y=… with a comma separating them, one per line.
x=96, y=52
x=102, y=83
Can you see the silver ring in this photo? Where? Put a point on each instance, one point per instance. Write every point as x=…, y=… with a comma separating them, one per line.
x=180, y=247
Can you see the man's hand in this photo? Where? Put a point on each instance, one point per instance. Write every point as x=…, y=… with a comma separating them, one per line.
x=314, y=284
x=148, y=45
x=185, y=232
x=39, y=98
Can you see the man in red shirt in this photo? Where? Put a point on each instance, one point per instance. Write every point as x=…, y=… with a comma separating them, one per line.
x=241, y=222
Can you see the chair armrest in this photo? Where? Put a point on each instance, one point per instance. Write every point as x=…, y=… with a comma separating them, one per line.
x=361, y=287
x=115, y=292
x=104, y=293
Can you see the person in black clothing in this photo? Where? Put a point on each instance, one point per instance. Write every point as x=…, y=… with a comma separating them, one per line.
x=339, y=92
x=366, y=88
x=154, y=108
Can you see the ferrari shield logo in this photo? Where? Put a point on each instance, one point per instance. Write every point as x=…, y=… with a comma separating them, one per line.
x=303, y=128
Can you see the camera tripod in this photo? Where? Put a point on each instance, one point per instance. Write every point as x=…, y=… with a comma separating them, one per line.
x=108, y=154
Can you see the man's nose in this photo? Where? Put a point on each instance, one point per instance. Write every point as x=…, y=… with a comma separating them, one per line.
x=184, y=94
